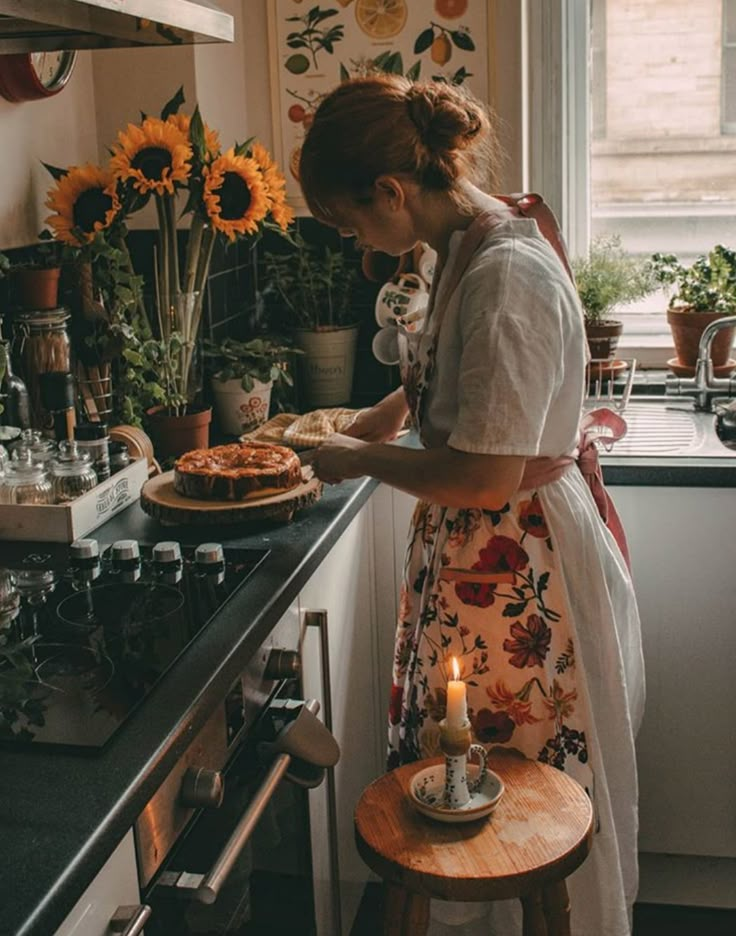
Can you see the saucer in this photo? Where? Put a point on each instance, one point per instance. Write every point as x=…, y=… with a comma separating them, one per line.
x=427, y=790
x=684, y=370
x=605, y=370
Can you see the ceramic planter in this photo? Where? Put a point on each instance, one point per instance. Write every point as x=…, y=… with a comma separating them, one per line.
x=687, y=327
x=38, y=288
x=240, y=410
x=174, y=435
x=327, y=364
x=603, y=338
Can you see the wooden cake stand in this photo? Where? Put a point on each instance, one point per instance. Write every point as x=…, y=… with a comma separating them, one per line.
x=160, y=501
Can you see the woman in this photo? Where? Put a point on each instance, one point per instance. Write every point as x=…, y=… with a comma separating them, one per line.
x=509, y=567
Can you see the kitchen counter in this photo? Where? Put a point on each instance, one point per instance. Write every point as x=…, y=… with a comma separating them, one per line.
x=62, y=814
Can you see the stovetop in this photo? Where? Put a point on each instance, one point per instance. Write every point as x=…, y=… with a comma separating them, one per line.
x=91, y=638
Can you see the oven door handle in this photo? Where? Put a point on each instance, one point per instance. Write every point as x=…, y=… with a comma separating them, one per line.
x=206, y=887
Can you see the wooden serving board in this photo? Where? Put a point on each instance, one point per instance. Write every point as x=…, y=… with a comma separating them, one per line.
x=160, y=501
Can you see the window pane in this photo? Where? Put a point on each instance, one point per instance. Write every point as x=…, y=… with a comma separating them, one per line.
x=663, y=91
x=729, y=20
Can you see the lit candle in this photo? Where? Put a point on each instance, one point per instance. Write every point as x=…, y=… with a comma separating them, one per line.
x=457, y=703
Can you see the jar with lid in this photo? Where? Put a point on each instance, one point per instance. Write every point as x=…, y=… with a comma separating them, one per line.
x=93, y=438
x=72, y=473
x=41, y=345
x=119, y=456
x=25, y=481
x=42, y=450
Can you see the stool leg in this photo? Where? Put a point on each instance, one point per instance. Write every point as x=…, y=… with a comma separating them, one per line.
x=534, y=918
x=404, y=913
x=557, y=909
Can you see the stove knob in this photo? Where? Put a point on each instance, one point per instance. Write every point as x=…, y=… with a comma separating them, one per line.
x=283, y=664
x=126, y=550
x=167, y=552
x=84, y=549
x=201, y=787
x=209, y=554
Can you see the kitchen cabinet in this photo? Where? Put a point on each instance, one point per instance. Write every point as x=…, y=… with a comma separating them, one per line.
x=344, y=586
x=112, y=894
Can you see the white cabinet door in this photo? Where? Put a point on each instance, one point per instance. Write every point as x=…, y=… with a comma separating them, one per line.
x=343, y=587
x=681, y=542
x=114, y=890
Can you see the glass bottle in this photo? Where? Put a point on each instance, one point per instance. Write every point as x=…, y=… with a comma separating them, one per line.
x=93, y=438
x=41, y=345
x=25, y=481
x=71, y=473
x=13, y=393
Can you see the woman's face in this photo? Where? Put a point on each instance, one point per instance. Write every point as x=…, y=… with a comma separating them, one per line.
x=383, y=224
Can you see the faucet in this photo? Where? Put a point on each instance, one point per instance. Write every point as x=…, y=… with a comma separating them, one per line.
x=703, y=386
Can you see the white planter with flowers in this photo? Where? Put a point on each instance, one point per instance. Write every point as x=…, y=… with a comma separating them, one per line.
x=240, y=410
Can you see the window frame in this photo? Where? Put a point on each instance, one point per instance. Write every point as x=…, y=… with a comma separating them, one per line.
x=728, y=128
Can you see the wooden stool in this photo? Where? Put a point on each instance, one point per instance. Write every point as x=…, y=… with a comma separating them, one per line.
x=540, y=832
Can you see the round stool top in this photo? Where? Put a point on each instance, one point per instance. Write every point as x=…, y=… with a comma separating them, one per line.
x=539, y=833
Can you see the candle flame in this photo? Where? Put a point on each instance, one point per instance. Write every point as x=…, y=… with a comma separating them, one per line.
x=455, y=668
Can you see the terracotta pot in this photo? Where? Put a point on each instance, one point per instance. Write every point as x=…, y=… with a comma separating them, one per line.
x=603, y=338
x=174, y=435
x=687, y=327
x=38, y=288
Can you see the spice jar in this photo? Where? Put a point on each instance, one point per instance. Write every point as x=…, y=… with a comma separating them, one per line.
x=42, y=450
x=93, y=438
x=24, y=481
x=119, y=456
x=71, y=473
x=41, y=345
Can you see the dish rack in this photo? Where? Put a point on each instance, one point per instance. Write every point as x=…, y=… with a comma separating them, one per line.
x=603, y=389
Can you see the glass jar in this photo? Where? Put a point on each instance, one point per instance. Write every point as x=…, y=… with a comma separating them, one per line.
x=71, y=473
x=4, y=459
x=93, y=438
x=41, y=345
x=42, y=450
x=25, y=482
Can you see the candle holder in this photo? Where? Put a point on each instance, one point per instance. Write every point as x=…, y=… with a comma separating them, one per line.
x=455, y=745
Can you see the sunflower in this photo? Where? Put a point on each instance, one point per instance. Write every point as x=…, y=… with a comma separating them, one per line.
x=235, y=194
x=155, y=155
x=211, y=137
x=275, y=186
x=84, y=202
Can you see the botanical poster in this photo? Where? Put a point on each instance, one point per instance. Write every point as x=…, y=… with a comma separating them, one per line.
x=314, y=47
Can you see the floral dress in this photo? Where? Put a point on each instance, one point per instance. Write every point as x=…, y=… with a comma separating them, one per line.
x=535, y=602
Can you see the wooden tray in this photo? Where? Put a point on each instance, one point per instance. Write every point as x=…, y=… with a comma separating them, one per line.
x=161, y=501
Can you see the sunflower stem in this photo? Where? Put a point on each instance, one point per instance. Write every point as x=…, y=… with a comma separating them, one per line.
x=164, y=291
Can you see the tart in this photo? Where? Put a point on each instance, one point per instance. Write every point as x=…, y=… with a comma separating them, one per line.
x=237, y=472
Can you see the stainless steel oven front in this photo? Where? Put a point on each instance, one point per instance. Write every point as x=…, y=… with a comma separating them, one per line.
x=223, y=846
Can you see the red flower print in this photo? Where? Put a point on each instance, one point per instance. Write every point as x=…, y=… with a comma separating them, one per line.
x=531, y=518
x=394, y=707
x=494, y=727
x=560, y=703
x=516, y=704
x=530, y=644
x=479, y=594
x=501, y=554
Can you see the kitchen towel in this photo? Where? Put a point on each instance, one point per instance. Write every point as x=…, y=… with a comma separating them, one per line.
x=303, y=431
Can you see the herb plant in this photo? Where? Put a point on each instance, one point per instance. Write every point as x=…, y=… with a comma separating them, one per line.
x=609, y=277
x=708, y=285
x=257, y=359
x=312, y=38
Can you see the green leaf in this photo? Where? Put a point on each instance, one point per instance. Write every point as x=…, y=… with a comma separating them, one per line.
x=196, y=135
x=424, y=40
x=344, y=73
x=413, y=73
x=462, y=40
x=55, y=171
x=172, y=106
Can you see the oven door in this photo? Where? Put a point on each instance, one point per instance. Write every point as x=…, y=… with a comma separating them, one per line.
x=245, y=867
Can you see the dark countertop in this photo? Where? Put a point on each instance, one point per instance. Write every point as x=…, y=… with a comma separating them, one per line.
x=62, y=814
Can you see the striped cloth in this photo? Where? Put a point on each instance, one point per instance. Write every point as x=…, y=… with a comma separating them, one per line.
x=303, y=431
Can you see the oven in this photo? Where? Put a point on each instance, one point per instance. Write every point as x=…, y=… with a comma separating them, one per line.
x=223, y=846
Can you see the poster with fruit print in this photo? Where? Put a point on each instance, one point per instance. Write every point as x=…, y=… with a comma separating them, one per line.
x=314, y=46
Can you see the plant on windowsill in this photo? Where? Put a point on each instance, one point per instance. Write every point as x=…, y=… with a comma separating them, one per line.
x=703, y=292
x=310, y=292
x=243, y=376
x=609, y=277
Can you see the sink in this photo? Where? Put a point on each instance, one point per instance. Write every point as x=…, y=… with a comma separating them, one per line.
x=668, y=427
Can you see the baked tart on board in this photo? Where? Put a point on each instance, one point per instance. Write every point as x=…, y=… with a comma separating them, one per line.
x=237, y=472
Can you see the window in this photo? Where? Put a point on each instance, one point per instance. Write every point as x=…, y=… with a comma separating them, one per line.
x=729, y=66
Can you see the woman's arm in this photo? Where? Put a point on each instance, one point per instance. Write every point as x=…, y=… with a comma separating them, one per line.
x=381, y=422
x=443, y=475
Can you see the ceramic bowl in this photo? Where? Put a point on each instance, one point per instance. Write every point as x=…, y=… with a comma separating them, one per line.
x=427, y=791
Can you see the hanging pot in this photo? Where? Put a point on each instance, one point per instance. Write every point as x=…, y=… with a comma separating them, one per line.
x=174, y=435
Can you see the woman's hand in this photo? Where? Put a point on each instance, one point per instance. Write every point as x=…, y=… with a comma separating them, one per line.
x=335, y=459
x=381, y=422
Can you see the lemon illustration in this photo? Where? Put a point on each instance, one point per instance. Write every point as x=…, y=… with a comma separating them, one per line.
x=294, y=158
x=381, y=19
x=441, y=50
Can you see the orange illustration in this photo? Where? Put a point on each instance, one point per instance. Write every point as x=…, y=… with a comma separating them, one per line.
x=381, y=19
x=451, y=9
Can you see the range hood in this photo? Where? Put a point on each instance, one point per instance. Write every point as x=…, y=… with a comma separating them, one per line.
x=46, y=25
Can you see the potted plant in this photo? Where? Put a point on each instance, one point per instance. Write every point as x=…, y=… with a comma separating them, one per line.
x=244, y=373
x=37, y=280
x=312, y=289
x=606, y=278
x=703, y=292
